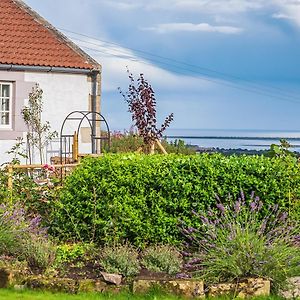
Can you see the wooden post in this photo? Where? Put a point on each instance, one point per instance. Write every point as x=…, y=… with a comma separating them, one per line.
x=10, y=177
x=161, y=147
x=139, y=150
x=152, y=148
x=75, y=147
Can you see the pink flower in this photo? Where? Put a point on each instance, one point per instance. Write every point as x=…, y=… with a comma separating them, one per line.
x=49, y=167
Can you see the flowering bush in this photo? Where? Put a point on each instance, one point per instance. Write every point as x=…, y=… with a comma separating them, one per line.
x=23, y=237
x=39, y=253
x=234, y=242
x=15, y=227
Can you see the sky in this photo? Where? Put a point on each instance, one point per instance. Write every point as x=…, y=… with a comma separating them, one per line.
x=216, y=64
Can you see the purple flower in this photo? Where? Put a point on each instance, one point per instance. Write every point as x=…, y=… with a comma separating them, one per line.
x=194, y=261
x=253, y=206
x=191, y=230
x=185, y=254
x=221, y=207
x=297, y=240
x=262, y=227
x=283, y=217
x=210, y=213
x=242, y=196
x=204, y=220
x=237, y=206
x=183, y=276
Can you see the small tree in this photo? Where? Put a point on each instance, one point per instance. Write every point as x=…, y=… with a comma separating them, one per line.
x=39, y=134
x=17, y=151
x=142, y=105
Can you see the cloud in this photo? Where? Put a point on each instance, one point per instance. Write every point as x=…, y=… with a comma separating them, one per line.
x=190, y=27
x=204, y=6
x=122, y=5
x=114, y=60
x=281, y=16
x=289, y=10
x=169, y=87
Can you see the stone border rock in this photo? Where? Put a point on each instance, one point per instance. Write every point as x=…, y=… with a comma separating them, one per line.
x=181, y=287
x=293, y=290
x=189, y=288
x=13, y=279
x=250, y=287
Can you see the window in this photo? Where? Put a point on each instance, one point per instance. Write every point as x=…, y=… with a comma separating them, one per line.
x=5, y=105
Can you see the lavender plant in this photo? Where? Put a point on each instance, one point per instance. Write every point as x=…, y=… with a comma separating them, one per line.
x=120, y=259
x=162, y=258
x=234, y=242
x=39, y=253
x=13, y=228
x=24, y=237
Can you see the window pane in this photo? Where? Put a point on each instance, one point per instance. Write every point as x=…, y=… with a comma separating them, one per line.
x=4, y=118
x=5, y=90
x=4, y=105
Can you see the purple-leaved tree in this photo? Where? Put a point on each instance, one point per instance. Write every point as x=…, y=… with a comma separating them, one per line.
x=142, y=105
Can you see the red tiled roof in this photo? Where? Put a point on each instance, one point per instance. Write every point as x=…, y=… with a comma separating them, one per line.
x=27, y=39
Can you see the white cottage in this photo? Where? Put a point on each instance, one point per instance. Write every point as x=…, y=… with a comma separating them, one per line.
x=33, y=51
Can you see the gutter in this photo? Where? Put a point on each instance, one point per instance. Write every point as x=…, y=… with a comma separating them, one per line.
x=94, y=110
x=8, y=67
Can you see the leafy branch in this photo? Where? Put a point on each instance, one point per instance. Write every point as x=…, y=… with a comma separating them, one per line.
x=141, y=101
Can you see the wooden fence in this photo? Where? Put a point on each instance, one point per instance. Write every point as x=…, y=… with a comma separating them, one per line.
x=62, y=167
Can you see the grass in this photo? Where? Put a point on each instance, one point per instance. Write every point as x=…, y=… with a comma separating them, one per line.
x=38, y=295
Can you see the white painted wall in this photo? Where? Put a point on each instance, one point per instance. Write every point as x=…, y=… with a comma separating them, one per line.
x=63, y=93
x=5, y=145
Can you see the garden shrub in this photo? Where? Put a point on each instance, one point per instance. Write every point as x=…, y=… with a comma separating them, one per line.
x=162, y=258
x=141, y=198
x=233, y=243
x=120, y=259
x=129, y=141
x=39, y=252
x=68, y=253
x=15, y=228
x=32, y=196
x=123, y=142
x=4, y=192
x=23, y=237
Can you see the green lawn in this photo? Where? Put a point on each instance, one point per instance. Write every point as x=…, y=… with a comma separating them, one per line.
x=34, y=295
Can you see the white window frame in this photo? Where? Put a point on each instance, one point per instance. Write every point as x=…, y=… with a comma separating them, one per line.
x=9, y=125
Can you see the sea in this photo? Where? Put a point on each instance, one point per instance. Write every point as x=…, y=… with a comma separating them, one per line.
x=234, y=139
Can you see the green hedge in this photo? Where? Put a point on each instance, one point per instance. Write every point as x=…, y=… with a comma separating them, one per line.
x=142, y=198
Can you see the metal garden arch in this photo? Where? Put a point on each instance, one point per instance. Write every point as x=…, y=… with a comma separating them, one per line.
x=68, y=139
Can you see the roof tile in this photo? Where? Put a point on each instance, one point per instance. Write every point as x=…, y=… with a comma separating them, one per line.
x=27, y=39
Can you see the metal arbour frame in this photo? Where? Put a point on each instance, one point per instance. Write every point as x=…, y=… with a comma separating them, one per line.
x=67, y=139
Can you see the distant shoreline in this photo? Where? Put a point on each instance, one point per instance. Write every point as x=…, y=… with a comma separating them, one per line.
x=231, y=151
x=251, y=138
